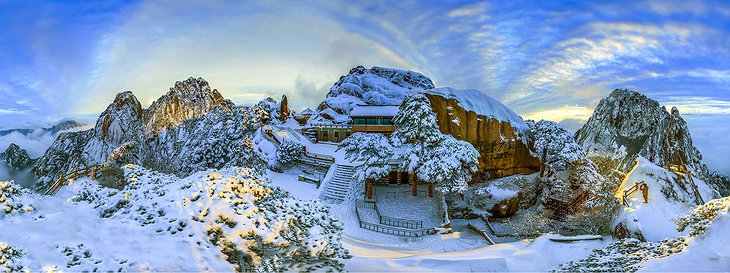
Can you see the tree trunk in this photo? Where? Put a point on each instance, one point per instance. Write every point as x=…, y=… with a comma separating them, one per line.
x=415, y=184
x=369, y=190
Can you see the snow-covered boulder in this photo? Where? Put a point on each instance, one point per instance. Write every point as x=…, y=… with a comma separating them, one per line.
x=377, y=85
x=670, y=196
x=504, y=196
x=16, y=158
x=500, y=135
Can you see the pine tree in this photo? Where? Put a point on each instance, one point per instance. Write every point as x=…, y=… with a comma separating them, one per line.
x=288, y=152
x=375, y=150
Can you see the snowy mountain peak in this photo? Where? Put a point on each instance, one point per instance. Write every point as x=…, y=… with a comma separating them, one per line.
x=185, y=100
x=15, y=157
x=627, y=124
x=377, y=85
x=121, y=116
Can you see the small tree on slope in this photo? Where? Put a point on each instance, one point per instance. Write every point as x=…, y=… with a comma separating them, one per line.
x=288, y=152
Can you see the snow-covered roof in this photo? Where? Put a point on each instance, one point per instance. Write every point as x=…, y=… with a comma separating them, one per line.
x=307, y=112
x=478, y=102
x=374, y=111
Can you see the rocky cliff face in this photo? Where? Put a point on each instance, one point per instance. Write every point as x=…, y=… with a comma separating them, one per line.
x=627, y=124
x=496, y=132
x=187, y=99
x=188, y=129
x=377, y=85
x=16, y=158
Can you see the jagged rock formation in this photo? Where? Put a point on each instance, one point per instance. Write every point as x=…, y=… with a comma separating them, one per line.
x=284, y=111
x=627, y=124
x=377, y=85
x=494, y=130
x=190, y=128
x=120, y=123
x=187, y=99
x=16, y=158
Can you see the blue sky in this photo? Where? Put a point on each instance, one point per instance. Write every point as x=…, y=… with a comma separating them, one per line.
x=545, y=60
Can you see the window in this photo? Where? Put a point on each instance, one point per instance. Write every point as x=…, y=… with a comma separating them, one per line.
x=337, y=134
x=371, y=121
x=358, y=121
x=324, y=134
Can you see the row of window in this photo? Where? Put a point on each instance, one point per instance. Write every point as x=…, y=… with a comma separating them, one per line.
x=336, y=134
x=372, y=121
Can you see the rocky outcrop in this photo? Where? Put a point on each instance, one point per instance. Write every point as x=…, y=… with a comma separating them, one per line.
x=284, y=109
x=500, y=136
x=377, y=85
x=187, y=99
x=16, y=158
x=627, y=124
x=190, y=128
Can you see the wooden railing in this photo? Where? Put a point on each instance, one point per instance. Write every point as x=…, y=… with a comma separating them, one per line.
x=631, y=191
x=92, y=171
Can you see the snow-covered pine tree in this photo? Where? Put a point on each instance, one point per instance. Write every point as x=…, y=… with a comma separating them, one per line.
x=450, y=163
x=416, y=121
x=430, y=154
x=374, y=149
x=288, y=152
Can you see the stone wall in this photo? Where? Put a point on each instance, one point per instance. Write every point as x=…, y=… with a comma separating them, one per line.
x=503, y=152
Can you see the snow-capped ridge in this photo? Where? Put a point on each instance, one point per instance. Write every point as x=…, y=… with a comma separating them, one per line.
x=482, y=104
x=377, y=85
x=185, y=100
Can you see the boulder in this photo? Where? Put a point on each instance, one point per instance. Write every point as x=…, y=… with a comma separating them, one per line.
x=498, y=134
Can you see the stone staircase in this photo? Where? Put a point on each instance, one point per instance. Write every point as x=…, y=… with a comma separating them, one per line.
x=339, y=183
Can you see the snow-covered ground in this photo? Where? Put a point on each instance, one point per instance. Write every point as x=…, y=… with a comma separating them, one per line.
x=540, y=255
